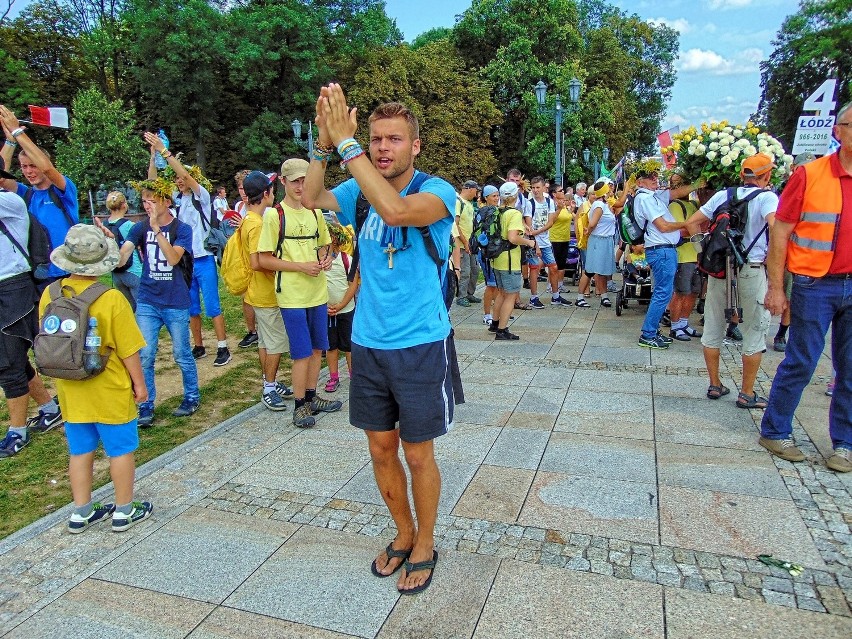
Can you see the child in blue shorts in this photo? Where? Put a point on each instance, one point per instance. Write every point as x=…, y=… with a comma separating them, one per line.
x=86, y=255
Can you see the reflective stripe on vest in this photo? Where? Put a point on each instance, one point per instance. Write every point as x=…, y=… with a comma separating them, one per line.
x=812, y=242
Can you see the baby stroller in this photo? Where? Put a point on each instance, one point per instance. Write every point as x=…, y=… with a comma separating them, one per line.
x=636, y=285
x=573, y=261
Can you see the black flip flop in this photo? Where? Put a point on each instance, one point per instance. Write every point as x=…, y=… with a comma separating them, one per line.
x=420, y=565
x=392, y=554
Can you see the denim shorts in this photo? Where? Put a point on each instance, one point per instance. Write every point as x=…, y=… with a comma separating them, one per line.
x=118, y=439
x=547, y=258
x=307, y=329
x=508, y=281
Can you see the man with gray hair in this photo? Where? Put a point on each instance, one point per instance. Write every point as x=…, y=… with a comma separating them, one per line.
x=580, y=193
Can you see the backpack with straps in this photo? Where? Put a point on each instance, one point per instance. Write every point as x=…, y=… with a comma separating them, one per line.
x=215, y=238
x=120, y=239
x=282, y=221
x=488, y=233
x=58, y=347
x=236, y=265
x=725, y=235
x=447, y=276
x=37, y=253
x=628, y=226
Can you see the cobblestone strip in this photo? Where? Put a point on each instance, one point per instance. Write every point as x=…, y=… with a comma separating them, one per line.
x=589, y=366
x=816, y=590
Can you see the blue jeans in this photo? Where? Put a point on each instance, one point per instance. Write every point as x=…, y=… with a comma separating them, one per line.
x=176, y=320
x=815, y=304
x=663, y=263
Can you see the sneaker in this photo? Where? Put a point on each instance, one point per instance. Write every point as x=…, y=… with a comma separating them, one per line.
x=560, y=301
x=78, y=524
x=487, y=320
x=187, y=407
x=249, y=340
x=691, y=331
x=505, y=335
x=198, y=352
x=223, y=356
x=320, y=405
x=273, y=401
x=536, y=303
x=140, y=512
x=840, y=460
x=146, y=417
x=667, y=340
x=332, y=384
x=780, y=344
x=492, y=328
x=473, y=299
x=282, y=389
x=12, y=443
x=44, y=422
x=564, y=289
x=653, y=342
x=734, y=333
x=302, y=417
x=463, y=301
x=666, y=320
x=680, y=335
x=783, y=448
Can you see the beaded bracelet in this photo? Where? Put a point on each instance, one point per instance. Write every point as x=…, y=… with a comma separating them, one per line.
x=11, y=143
x=345, y=145
x=320, y=155
x=325, y=150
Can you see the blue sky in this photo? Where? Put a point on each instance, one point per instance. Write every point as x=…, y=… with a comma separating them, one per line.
x=721, y=45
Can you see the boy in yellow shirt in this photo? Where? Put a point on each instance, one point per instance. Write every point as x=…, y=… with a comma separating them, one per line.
x=86, y=255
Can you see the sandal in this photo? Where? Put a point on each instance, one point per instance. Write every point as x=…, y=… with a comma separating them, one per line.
x=420, y=565
x=522, y=307
x=392, y=554
x=582, y=303
x=715, y=392
x=751, y=401
x=605, y=302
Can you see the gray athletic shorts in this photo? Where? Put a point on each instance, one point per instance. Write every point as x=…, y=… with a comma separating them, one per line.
x=687, y=279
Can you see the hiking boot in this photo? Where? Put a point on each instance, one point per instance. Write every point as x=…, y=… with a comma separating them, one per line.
x=653, y=342
x=783, y=448
x=840, y=460
x=140, y=512
x=320, y=405
x=187, y=407
x=273, y=401
x=780, y=344
x=302, y=417
x=249, y=340
x=78, y=524
x=12, y=443
x=680, y=335
x=536, y=303
x=146, y=417
x=505, y=335
x=473, y=299
x=44, y=422
x=198, y=352
x=463, y=301
x=282, y=389
x=223, y=356
x=734, y=333
x=560, y=301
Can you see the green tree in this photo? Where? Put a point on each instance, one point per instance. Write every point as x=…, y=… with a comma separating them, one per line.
x=812, y=45
x=432, y=35
x=102, y=145
x=18, y=88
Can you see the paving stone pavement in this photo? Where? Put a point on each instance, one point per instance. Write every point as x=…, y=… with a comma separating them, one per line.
x=589, y=489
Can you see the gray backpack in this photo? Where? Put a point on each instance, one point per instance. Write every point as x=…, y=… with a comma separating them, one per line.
x=59, y=345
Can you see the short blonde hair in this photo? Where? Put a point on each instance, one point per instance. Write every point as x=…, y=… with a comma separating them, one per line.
x=390, y=110
x=114, y=200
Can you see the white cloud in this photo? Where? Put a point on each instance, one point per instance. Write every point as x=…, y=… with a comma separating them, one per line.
x=710, y=62
x=680, y=25
x=728, y=4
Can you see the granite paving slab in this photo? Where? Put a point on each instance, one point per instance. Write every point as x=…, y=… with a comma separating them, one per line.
x=228, y=623
x=466, y=443
x=719, y=469
x=622, y=382
x=606, y=457
x=97, y=609
x=693, y=387
x=607, y=405
x=611, y=355
x=518, y=448
x=542, y=399
x=528, y=602
x=522, y=350
x=550, y=378
x=572, y=423
x=495, y=493
x=710, y=423
x=732, y=524
x=302, y=583
x=691, y=614
x=593, y=505
x=203, y=554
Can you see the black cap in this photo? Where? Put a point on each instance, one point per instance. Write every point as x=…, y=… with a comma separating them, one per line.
x=257, y=183
x=470, y=184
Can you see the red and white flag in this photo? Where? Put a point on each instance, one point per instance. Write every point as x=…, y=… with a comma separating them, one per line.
x=664, y=139
x=49, y=116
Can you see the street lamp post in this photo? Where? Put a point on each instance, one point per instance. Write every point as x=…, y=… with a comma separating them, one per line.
x=297, y=133
x=541, y=99
x=596, y=160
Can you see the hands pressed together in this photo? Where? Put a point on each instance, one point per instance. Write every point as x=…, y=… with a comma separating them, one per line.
x=335, y=120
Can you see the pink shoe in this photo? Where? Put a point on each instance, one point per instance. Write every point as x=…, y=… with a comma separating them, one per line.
x=332, y=384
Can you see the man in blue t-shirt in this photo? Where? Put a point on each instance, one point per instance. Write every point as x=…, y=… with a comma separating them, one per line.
x=403, y=359
x=51, y=197
x=163, y=298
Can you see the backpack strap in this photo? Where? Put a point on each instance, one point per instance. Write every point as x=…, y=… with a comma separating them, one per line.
x=93, y=292
x=12, y=239
x=54, y=197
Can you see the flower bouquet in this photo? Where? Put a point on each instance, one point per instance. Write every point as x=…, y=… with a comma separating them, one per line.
x=716, y=152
